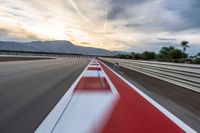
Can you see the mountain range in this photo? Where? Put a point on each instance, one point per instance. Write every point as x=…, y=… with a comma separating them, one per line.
x=54, y=47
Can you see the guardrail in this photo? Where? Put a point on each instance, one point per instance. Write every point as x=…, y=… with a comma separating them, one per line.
x=185, y=75
x=46, y=55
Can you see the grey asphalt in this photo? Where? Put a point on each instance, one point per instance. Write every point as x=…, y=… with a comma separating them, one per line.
x=183, y=103
x=21, y=58
x=30, y=89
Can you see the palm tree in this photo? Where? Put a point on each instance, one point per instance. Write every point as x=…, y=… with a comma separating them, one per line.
x=185, y=45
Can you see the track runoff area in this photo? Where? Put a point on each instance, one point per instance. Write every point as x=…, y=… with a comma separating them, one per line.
x=101, y=101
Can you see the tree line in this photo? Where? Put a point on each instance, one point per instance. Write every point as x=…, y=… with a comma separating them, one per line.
x=166, y=54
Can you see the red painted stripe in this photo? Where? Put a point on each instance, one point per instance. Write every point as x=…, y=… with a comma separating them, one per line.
x=93, y=84
x=94, y=68
x=134, y=114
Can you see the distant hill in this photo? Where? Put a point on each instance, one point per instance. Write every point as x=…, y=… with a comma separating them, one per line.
x=54, y=47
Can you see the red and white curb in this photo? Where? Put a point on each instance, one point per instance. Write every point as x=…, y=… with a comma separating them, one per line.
x=101, y=101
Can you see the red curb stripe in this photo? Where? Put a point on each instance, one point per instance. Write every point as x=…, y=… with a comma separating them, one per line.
x=134, y=113
x=93, y=84
x=94, y=68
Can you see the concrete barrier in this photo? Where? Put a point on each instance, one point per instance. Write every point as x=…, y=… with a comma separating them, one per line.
x=185, y=75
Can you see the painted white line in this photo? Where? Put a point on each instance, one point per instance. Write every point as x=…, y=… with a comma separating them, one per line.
x=86, y=112
x=51, y=120
x=93, y=73
x=81, y=112
x=176, y=120
x=94, y=62
x=92, y=66
x=113, y=89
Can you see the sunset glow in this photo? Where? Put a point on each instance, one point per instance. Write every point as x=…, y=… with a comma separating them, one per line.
x=110, y=24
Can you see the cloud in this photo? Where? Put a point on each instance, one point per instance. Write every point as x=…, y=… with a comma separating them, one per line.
x=17, y=33
x=78, y=11
x=166, y=39
x=111, y=24
x=117, y=7
x=188, y=10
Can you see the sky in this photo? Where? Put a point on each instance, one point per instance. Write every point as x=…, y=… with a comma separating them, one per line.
x=124, y=25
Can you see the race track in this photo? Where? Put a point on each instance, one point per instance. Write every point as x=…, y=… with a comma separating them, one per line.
x=30, y=89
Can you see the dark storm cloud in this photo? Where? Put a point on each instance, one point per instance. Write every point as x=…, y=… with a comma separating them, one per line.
x=118, y=6
x=186, y=13
x=188, y=10
x=133, y=25
x=166, y=39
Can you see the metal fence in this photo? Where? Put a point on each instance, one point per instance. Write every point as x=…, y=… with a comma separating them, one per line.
x=185, y=75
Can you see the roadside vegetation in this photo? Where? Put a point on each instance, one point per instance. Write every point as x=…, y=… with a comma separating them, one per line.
x=166, y=54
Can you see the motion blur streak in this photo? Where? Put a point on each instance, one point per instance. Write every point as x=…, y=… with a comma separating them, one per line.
x=30, y=89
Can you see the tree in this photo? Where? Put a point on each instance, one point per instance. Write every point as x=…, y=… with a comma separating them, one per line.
x=175, y=54
x=123, y=56
x=170, y=53
x=164, y=52
x=148, y=55
x=198, y=55
x=137, y=56
x=184, y=45
x=196, y=61
x=132, y=55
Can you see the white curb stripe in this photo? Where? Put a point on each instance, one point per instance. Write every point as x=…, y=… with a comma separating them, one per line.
x=84, y=111
x=93, y=73
x=50, y=121
x=81, y=112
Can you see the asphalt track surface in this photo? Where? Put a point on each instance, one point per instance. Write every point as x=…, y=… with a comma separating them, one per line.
x=30, y=89
x=183, y=103
x=15, y=58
